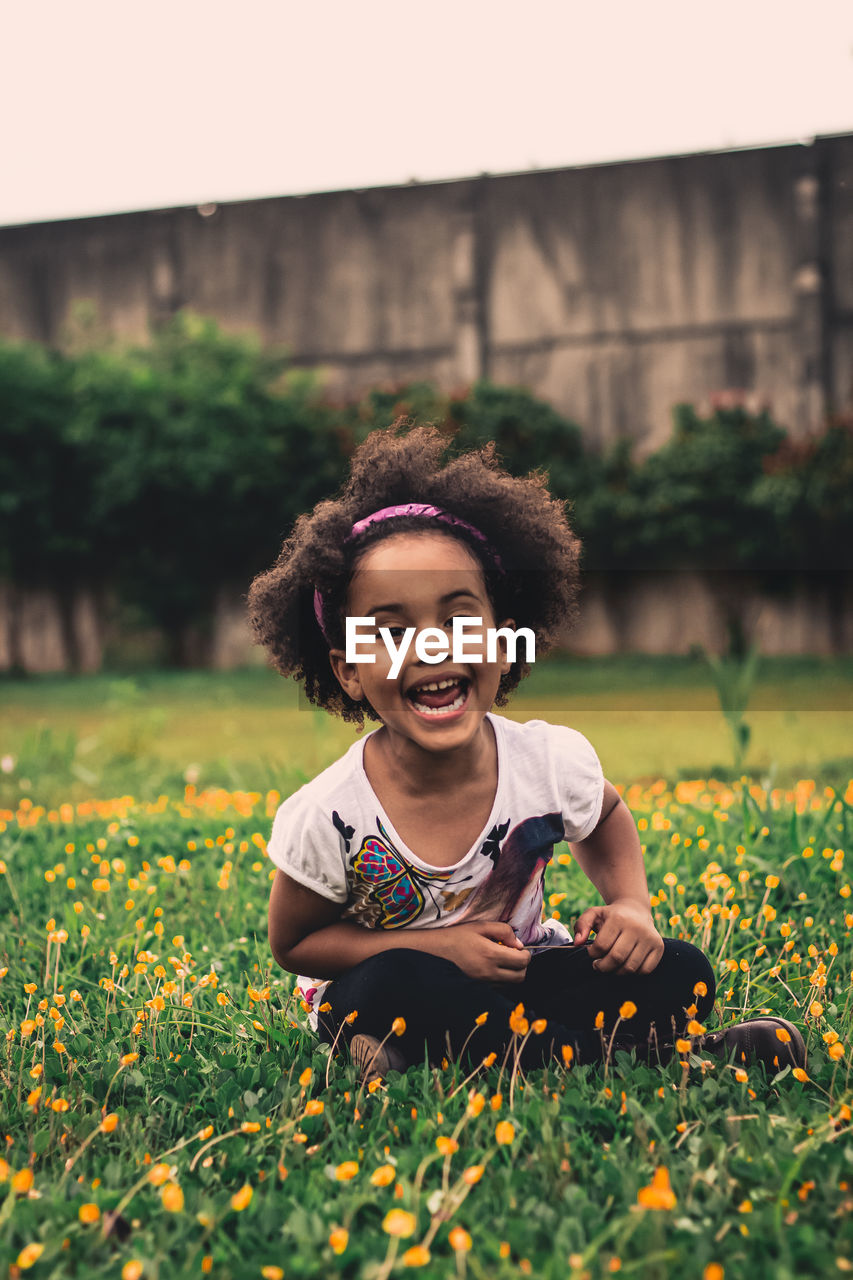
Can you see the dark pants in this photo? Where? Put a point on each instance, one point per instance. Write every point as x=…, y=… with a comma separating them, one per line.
x=440, y=1003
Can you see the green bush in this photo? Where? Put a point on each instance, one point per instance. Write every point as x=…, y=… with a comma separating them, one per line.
x=163, y=470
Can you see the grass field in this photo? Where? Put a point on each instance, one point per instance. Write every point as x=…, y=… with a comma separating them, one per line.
x=647, y=717
x=167, y=1112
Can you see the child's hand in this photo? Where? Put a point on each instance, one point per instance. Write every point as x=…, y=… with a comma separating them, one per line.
x=626, y=940
x=486, y=949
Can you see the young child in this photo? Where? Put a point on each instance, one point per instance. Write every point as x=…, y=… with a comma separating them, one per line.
x=410, y=872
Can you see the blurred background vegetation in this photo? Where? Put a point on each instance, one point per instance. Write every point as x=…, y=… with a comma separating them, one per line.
x=157, y=472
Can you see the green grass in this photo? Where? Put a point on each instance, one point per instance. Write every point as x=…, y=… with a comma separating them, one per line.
x=761, y=1169
x=647, y=717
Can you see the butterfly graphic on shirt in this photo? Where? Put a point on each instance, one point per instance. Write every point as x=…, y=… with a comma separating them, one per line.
x=391, y=882
x=491, y=846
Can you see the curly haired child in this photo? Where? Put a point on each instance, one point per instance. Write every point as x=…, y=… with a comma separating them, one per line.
x=410, y=873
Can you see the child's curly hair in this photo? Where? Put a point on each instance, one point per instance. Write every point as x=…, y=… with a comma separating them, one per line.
x=525, y=525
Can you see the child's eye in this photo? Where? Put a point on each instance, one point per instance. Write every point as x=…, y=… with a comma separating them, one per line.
x=396, y=631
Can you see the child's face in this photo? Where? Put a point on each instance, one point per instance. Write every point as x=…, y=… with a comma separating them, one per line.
x=422, y=580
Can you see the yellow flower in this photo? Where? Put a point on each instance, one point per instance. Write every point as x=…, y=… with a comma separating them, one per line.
x=627, y=1010
x=447, y=1146
x=398, y=1026
x=460, y=1241
x=384, y=1175
x=172, y=1198
x=504, y=1133
x=398, y=1222
x=816, y=1009
x=659, y=1194
x=836, y=1051
x=30, y=1255
x=272, y=1273
x=88, y=1213
x=783, y=1035
x=339, y=1239
x=417, y=1256
x=347, y=1171
x=242, y=1199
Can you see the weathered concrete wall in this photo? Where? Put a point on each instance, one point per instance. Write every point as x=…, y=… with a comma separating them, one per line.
x=638, y=613
x=614, y=291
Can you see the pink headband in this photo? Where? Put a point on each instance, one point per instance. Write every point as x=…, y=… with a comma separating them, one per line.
x=408, y=509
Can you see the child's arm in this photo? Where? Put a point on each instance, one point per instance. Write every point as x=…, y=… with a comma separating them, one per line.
x=307, y=936
x=626, y=940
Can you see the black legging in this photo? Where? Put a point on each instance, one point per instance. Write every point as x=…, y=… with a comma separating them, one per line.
x=440, y=1003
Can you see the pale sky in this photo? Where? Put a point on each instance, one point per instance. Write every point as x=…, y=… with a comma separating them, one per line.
x=108, y=106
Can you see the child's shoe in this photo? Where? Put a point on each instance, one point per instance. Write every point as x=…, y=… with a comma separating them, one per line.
x=774, y=1042
x=374, y=1058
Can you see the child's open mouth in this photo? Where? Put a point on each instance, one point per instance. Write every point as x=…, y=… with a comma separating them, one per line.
x=436, y=698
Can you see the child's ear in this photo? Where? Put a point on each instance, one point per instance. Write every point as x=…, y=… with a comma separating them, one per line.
x=346, y=674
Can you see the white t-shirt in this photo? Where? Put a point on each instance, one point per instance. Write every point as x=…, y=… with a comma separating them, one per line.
x=333, y=836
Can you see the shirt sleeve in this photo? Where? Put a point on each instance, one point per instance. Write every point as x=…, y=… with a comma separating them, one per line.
x=580, y=782
x=305, y=844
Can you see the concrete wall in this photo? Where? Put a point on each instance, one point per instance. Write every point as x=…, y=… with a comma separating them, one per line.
x=614, y=291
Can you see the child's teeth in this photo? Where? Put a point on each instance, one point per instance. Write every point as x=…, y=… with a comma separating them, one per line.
x=441, y=711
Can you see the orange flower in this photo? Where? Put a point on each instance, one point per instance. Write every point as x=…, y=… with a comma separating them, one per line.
x=314, y=1107
x=339, y=1239
x=397, y=1222
x=460, y=1241
x=158, y=1174
x=88, y=1213
x=109, y=1123
x=504, y=1133
x=242, y=1199
x=30, y=1255
x=398, y=1026
x=447, y=1146
x=417, y=1256
x=172, y=1198
x=599, y=1020
x=473, y=1174
x=384, y=1175
x=517, y=1021
x=539, y=1026
x=568, y=1054
x=22, y=1181
x=627, y=1010
x=659, y=1194
x=347, y=1171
